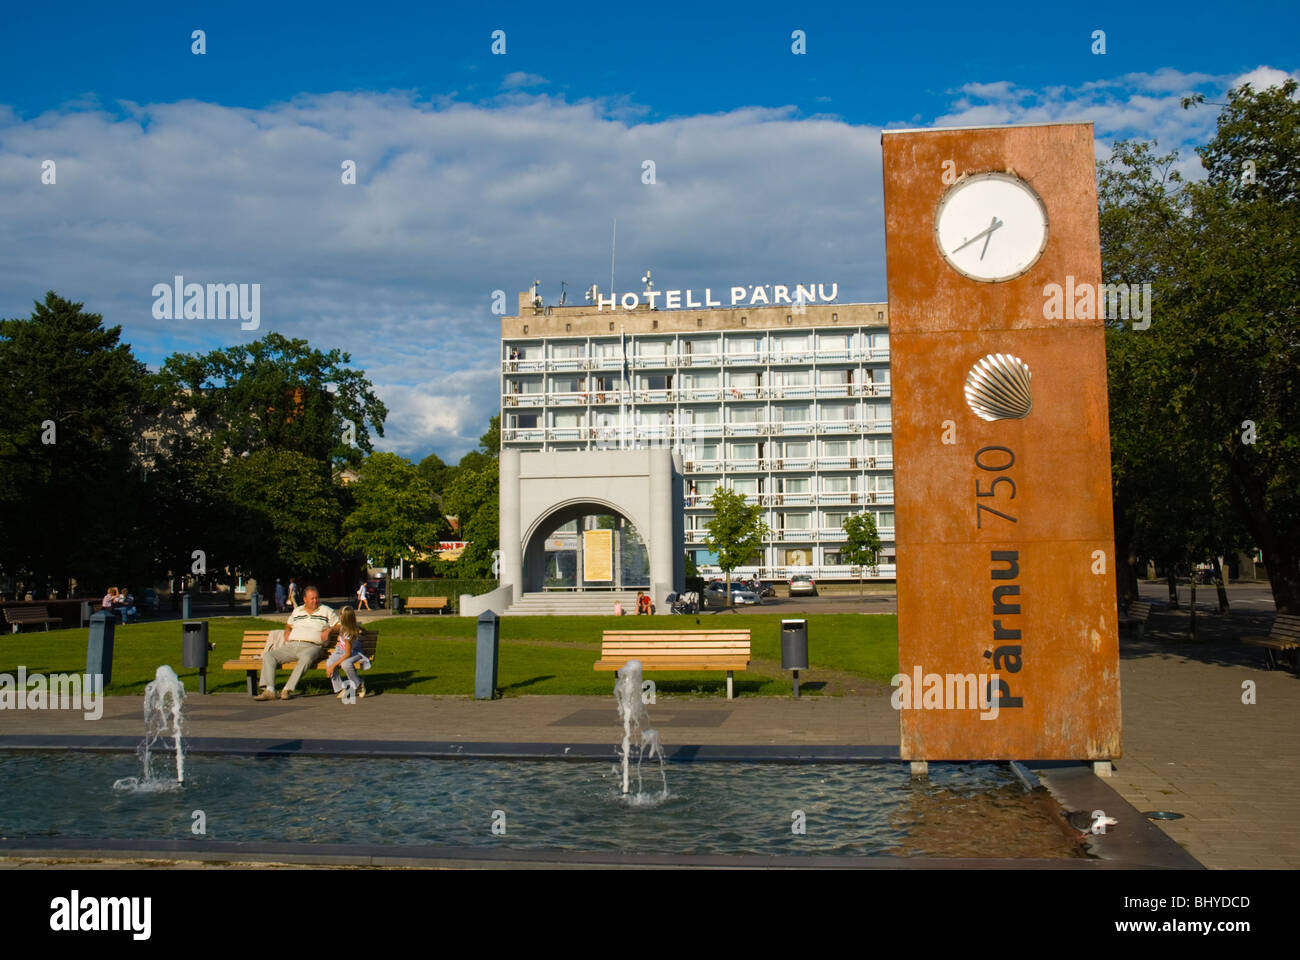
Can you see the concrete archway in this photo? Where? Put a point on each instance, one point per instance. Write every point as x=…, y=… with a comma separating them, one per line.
x=643, y=486
x=535, y=560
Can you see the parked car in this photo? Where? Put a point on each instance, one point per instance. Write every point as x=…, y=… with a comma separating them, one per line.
x=802, y=585
x=715, y=594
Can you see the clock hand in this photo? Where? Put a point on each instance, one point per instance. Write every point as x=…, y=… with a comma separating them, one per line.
x=996, y=223
x=993, y=226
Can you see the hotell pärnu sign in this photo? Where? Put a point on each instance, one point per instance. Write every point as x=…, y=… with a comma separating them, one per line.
x=1007, y=620
x=795, y=295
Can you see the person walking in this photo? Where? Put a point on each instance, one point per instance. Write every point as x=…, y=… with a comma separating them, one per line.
x=279, y=595
x=362, y=602
x=293, y=594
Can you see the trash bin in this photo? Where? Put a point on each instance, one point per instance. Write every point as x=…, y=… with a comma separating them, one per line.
x=194, y=650
x=794, y=648
x=399, y=604
x=485, y=664
x=99, y=649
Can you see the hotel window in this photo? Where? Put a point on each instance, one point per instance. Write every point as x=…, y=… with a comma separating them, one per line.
x=705, y=488
x=607, y=348
x=566, y=351
x=694, y=415
x=880, y=341
x=700, y=347
x=744, y=451
x=835, y=448
x=884, y=448
x=833, y=342
x=876, y=411
x=737, y=346
x=524, y=421
x=566, y=418
x=794, y=485
x=746, y=485
x=796, y=521
x=835, y=376
x=791, y=378
x=885, y=520
x=792, y=345
x=833, y=520
x=881, y=483
x=706, y=451
x=700, y=380
x=796, y=448
x=833, y=484
x=605, y=383
x=744, y=414
x=792, y=413
x=655, y=381
x=566, y=384
x=651, y=348
x=742, y=379
x=831, y=558
x=836, y=411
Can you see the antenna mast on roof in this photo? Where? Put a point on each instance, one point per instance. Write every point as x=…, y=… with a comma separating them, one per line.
x=613, y=245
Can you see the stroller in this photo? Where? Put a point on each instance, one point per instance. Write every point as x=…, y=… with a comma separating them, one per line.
x=684, y=603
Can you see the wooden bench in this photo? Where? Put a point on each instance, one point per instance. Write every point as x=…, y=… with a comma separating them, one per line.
x=426, y=603
x=660, y=650
x=254, y=645
x=18, y=616
x=1139, y=612
x=1282, y=642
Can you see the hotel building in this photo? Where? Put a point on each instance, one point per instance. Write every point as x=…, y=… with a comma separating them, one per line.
x=789, y=405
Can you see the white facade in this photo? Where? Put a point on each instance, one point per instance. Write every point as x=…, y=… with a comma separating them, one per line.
x=795, y=415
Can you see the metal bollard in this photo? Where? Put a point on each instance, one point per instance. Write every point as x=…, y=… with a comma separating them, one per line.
x=99, y=648
x=186, y=604
x=485, y=664
x=254, y=604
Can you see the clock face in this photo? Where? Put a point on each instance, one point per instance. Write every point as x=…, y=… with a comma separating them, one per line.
x=991, y=227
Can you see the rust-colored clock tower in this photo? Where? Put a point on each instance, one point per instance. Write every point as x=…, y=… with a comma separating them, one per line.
x=1006, y=554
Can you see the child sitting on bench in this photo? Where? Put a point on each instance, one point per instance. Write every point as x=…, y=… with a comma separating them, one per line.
x=348, y=655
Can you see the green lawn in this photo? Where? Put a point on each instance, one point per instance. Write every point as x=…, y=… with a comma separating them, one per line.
x=539, y=655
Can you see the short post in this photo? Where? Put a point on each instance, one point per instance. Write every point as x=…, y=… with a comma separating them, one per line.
x=99, y=648
x=920, y=770
x=485, y=664
x=254, y=604
x=186, y=604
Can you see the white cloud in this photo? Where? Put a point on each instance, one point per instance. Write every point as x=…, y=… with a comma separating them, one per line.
x=1261, y=78
x=519, y=80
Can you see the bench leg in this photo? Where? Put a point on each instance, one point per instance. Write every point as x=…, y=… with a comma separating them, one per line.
x=251, y=675
x=1141, y=629
x=729, y=690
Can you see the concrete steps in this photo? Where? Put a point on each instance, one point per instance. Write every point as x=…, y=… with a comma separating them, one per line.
x=557, y=604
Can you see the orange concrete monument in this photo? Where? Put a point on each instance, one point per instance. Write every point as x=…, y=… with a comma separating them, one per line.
x=1006, y=555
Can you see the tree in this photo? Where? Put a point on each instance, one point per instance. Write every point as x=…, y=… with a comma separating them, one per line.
x=71, y=504
x=735, y=532
x=1204, y=404
x=280, y=394
x=436, y=474
x=282, y=515
x=473, y=497
x=395, y=514
x=861, y=543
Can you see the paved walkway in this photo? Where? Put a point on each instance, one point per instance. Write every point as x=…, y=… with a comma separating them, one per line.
x=1190, y=744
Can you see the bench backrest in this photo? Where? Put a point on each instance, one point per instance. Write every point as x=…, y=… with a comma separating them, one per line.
x=19, y=614
x=1140, y=609
x=254, y=643
x=683, y=643
x=1286, y=626
x=426, y=601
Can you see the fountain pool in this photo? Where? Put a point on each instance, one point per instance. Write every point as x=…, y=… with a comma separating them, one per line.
x=843, y=809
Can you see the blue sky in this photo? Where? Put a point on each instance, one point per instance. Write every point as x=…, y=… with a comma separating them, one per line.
x=479, y=172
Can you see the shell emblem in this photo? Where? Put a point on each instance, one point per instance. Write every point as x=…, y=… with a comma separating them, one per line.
x=997, y=388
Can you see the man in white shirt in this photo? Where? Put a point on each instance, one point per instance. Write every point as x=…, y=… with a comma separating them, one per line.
x=307, y=633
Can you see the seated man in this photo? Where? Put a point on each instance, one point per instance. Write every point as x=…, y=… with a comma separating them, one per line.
x=307, y=633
